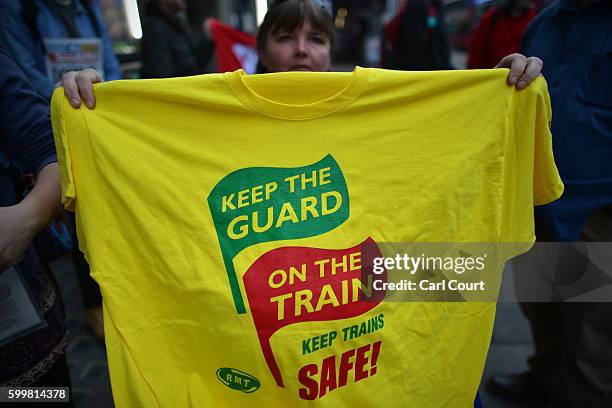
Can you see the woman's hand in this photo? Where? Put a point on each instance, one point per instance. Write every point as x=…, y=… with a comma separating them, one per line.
x=523, y=70
x=78, y=85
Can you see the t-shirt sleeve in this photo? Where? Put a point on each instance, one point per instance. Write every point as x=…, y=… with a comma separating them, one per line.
x=81, y=191
x=547, y=184
x=65, y=125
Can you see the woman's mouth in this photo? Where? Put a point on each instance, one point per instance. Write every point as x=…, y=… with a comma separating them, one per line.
x=300, y=68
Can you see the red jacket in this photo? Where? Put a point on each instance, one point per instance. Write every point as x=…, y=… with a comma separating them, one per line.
x=498, y=35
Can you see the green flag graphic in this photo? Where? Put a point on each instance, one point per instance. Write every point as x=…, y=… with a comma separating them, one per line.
x=263, y=204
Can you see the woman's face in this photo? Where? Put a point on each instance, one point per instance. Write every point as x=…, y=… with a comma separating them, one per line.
x=304, y=49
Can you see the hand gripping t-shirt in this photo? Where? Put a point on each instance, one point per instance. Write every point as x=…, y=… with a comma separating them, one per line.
x=223, y=217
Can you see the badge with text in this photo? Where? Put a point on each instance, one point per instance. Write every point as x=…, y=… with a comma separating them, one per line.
x=73, y=54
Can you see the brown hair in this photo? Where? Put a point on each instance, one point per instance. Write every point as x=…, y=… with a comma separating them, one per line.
x=291, y=14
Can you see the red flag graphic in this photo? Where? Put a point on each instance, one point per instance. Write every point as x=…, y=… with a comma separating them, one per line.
x=290, y=285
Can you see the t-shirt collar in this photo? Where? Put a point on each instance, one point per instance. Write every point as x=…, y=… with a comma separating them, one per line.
x=352, y=87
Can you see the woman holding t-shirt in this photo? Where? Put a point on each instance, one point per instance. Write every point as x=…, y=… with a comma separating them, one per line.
x=296, y=35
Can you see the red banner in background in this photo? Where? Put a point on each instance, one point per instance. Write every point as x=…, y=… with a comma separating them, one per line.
x=234, y=49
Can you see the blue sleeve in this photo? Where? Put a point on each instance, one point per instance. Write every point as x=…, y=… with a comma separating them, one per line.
x=112, y=70
x=25, y=49
x=532, y=28
x=25, y=124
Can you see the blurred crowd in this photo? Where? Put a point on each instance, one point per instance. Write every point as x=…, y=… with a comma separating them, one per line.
x=43, y=41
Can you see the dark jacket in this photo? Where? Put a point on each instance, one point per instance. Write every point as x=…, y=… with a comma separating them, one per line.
x=169, y=49
x=420, y=42
x=26, y=138
x=26, y=143
x=576, y=46
x=24, y=32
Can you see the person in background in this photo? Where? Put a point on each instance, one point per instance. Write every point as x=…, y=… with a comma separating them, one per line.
x=415, y=39
x=572, y=361
x=29, y=356
x=28, y=26
x=169, y=49
x=499, y=32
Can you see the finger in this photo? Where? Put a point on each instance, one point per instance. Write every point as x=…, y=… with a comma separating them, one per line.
x=532, y=70
x=517, y=67
x=507, y=61
x=85, y=80
x=516, y=63
x=71, y=89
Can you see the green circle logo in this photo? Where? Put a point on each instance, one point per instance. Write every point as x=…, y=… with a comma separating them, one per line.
x=238, y=380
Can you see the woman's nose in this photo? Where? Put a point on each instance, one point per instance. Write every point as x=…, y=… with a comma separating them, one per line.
x=301, y=47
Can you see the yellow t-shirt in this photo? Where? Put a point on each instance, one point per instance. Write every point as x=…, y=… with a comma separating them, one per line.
x=222, y=216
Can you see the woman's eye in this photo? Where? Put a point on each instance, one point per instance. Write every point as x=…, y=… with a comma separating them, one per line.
x=318, y=40
x=283, y=38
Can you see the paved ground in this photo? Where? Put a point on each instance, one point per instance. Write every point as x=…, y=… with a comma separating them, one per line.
x=510, y=347
x=86, y=356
